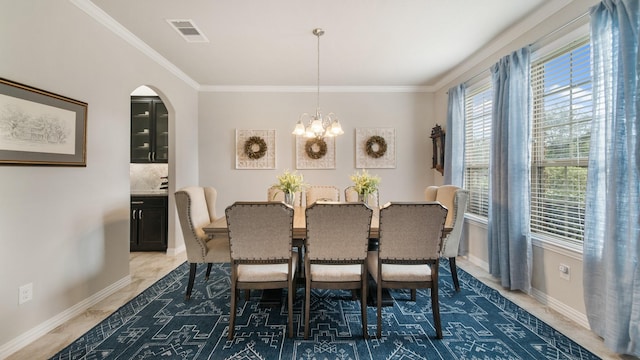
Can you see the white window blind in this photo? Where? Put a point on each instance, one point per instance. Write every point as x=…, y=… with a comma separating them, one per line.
x=478, y=100
x=562, y=111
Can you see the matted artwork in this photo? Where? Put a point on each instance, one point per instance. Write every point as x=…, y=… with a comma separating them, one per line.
x=255, y=149
x=375, y=148
x=38, y=127
x=315, y=153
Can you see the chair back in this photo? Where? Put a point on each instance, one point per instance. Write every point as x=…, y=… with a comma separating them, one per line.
x=260, y=231
x=351, y=195
x=443, y=194
x=337, y=231
x=411, y=231
x=275, y=194
x=196, y=208
x=321, y=193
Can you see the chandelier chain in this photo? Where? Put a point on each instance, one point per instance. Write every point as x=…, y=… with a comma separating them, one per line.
x=318, y=80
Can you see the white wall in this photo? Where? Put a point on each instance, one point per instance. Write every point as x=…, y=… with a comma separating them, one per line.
x=566, y=296
x=221, y=113
x=66, y=229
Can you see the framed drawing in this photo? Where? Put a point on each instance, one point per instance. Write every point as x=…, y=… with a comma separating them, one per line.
x=255, y=149
x=41, y=128
x=315, y=153
x=375, y=148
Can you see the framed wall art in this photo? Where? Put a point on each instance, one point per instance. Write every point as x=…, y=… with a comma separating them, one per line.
x=315, y=153
x=38, y=127
x=255, y=149
x=375, y=148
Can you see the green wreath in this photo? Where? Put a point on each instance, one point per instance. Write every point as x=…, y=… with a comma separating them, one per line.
x=380, y=142
x=249, y=147
x=322, y=148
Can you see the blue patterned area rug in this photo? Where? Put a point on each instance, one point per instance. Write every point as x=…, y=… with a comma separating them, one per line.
x=477, y=323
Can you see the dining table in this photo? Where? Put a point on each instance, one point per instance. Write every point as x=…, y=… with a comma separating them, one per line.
x=219, y=226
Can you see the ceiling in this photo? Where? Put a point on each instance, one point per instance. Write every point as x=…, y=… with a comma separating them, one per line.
x=367, y=43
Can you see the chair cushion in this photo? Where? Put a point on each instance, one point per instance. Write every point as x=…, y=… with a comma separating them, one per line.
x=394, y=272
x=335, y=273
x=266, y=272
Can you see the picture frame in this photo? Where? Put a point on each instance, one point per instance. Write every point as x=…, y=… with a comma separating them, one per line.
x=375, y=148
x=38, y=127
x=315, y=153
x=255, y=149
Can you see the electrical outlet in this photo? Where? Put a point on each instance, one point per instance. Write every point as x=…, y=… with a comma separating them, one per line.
x=25, y=293
x=565, y=271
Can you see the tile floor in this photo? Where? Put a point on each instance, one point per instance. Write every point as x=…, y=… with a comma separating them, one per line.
x=146, y=268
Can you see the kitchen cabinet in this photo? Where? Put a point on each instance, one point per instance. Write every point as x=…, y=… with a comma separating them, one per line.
x=149, y=223
x=149, y=130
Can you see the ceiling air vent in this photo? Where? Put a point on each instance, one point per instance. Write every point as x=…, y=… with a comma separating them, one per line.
x=188, y=30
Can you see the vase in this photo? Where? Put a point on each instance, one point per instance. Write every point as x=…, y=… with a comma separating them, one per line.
x=289, y=198
x=364, y=198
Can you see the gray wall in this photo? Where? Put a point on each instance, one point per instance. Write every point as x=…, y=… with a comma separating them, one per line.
x=222, y=113
x=66, y=230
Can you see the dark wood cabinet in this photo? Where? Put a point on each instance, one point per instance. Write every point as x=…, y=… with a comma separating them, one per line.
x=149, y=223
x=149, y=130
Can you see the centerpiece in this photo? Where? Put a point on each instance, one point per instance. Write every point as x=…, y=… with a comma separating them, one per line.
x=290, y=183
x=365, y=184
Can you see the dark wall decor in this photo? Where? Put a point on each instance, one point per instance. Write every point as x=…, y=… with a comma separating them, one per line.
x=438, y=138
x=38, y=127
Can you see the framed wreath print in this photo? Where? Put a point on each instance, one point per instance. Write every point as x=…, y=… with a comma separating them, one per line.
x=255, y=149
x=375, y=148
x=315, y=153
x=38, y=127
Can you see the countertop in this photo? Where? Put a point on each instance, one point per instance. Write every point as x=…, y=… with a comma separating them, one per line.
x=149, y=193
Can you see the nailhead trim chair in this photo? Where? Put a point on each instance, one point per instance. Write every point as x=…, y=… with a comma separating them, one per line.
x=408, y=252
x=260, y=238
x=321, y=193
x=196, y=209
x=336, y=251
x=455, y=199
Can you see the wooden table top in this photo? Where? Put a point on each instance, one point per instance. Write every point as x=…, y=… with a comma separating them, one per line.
x=219, y=226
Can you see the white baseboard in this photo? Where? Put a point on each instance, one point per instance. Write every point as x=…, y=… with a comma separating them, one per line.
x=176, y=251
x=543, y=298
x=478, y=262
x=561, y=307
x=35, y=333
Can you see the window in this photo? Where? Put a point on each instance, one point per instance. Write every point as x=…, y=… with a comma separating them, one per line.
x=478, y=100
x=562, y=110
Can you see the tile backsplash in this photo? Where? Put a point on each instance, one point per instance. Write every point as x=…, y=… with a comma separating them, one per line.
x=145, y=177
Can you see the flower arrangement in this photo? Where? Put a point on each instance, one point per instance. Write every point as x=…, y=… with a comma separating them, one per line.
x=365, y=183
x=290, y=182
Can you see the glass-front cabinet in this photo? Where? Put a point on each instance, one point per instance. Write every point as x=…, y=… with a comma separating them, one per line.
x=149, y=130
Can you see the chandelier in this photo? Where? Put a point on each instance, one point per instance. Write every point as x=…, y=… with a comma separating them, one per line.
x=317, y=125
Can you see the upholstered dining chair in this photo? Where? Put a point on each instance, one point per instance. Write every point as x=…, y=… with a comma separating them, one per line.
x=408, y=252
x=336, y=251
x=455, y=199
x=275, y=194
x=197, y=208
x=260, y=237
x=351, y=195
x=321, y=192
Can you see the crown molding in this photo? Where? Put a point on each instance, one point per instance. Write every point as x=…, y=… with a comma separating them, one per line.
x=107, y=21
x=313, y=89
